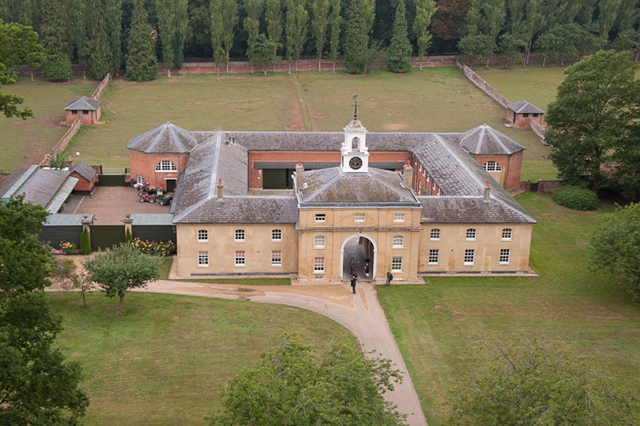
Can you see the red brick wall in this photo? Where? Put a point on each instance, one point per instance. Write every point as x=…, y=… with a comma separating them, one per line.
x=255, y=175
x=144, y=165
x=84, y=185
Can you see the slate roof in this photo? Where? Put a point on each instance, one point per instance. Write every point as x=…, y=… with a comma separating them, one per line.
x=524, y=107
x=165, y=139
x=485, y=140
x=224, y=155
x=84, y=170
x=48, y=188
x=454, y=171
x=83, y=103
x=333, y=187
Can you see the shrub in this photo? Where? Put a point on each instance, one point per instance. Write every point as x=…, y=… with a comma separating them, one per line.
x=576, y=198
x=85, y=243
x=68, y=248
x=154, y=248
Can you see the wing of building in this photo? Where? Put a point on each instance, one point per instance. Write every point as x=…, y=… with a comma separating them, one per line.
x=320, y=206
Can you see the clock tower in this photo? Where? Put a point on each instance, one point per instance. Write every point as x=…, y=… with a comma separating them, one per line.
x=355, y=154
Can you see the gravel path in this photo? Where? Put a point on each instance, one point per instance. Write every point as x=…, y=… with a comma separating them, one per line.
x=361, y=313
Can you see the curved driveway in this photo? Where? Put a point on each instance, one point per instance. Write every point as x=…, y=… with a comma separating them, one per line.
x=361, y=313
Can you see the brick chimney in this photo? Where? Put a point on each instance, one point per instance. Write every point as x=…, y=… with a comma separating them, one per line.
x=487, y=190
x=407, y=175
x=220, y=186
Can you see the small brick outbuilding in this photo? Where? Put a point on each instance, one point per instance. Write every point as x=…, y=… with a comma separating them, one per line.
x=521, y=113
x=87, y=177
x=85, y=107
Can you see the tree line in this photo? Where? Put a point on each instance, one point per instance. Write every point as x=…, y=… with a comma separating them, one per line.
x=113, y=35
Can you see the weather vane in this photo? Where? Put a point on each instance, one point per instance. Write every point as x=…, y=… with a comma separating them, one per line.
x=355, y=105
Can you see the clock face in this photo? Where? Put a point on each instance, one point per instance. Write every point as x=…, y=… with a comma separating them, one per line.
x=355, y=163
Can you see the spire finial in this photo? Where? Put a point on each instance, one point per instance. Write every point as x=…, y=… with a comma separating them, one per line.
x=355, y=106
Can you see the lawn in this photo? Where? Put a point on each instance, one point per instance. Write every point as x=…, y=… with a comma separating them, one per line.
x=435, y=99
x=25, y=142
x=534, y=83
x=435, y=323
x=165, y=361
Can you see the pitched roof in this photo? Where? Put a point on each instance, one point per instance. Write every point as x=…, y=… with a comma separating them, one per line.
x=48, y=188
x=83, y=169
x=524, y=107
x=166, y=139
x=84, y=103
x=224, y=155
x=333, y=187
x=486, y=140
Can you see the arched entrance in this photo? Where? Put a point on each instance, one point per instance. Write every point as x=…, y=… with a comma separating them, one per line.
x=361, y=250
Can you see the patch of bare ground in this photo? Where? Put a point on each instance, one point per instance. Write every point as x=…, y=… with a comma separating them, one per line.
x=316, y=115
x=393, y=127
x=296, y=124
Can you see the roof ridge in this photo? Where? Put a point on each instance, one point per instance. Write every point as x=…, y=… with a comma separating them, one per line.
x=458, y=159
x=396, y=190
x=327, y=184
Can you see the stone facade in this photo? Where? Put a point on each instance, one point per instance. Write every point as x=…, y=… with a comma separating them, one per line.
x=410, y=203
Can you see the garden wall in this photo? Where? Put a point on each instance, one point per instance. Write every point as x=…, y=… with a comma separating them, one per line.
x=482, y=84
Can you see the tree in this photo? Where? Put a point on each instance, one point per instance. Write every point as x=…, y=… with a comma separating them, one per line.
x=615, y=246
x=265, y=52
x=356, y=40
x=494, y=14
x=37, y=386
x=122, y=268
x=100, y=54
x=296, y=22
x=141, y=61
x=591, y=116
x=536, y=381
x=273, y=16
x=335, y=22
x=253, y=8
x=510, y=48
x=399, y=52
x=425, y=9
x=18, y=46
x=113, y=9
x=319, y=24
x=224, y=17
x=293, y=386
x=476, y=47
x=57, y=65
x=533, y=22
x=173, y=20
x=629, y=40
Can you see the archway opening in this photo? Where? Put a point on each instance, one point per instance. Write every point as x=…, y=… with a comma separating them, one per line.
x=358, y=256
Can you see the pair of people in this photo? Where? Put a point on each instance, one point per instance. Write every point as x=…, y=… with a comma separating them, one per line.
x=354, y=280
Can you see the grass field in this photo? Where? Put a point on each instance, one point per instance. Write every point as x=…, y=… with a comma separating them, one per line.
x=534, y=83
x=433, y=324
x=435, y=99
x=165, y=361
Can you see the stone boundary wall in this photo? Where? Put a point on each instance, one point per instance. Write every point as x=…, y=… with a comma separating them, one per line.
x=537, y=128
x=548, y=186
x=483, y=85
x=304, y=65
x=103, y=85
x=63, y=142
x=75, y=126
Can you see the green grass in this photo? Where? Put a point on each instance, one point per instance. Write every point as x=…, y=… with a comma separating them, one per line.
x=433, y=324
x=165, y=361
x=25, y=142
x=435, y=99
x=534, y=83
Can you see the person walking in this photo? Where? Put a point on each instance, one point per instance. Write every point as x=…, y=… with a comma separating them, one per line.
x=366, y=270
x=389, y=277
x=354, y=279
